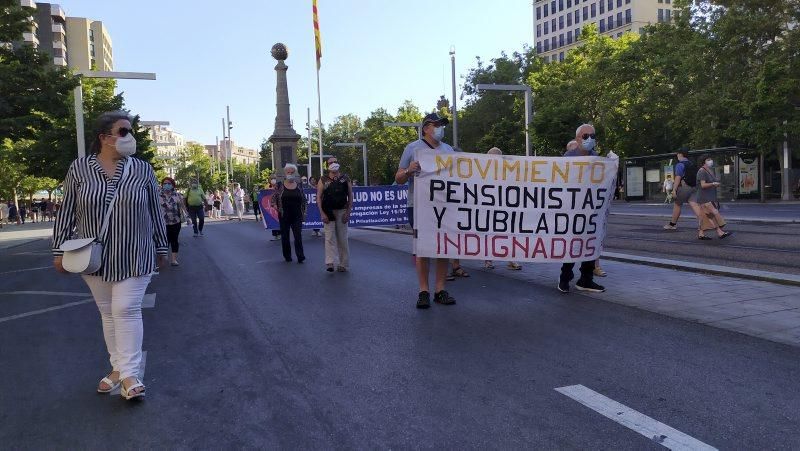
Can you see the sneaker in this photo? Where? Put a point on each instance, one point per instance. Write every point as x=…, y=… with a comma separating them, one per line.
x=670, y=227
x=598, y=271
x=424, y=300
x=563, y=286
x=329, y=268
x=591, y=286
x=444, y=298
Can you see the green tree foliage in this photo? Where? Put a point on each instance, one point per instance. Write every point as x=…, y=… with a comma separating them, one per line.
x=195, y=164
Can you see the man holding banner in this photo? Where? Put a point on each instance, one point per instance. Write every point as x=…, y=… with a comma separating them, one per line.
x=409, y=168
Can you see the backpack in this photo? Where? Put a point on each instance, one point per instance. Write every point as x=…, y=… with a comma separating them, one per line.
x=336, y=194
x=689, y=173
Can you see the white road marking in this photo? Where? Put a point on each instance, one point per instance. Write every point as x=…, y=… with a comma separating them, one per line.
x=49, y=293
x=149, y=300
x=654, y=430
x=45, y=310
x=29, y=269
x=142, y=364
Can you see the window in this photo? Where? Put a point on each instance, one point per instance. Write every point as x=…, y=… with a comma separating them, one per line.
x=569, y=3
x=610, y=22
x=660, y=1
x=538, y=13
x=667, y=1
x=561, y=22
x=628, y=18
x=669, y=15
x=553, y=42
x=546, y=45
x=627, y=2
x=602, y=6
x=553, y=24
x=619, y=19
x=610, y=5
x=585, y=13
x=546, y=10
x=569, y=37
x=561, y=40
x=539, y=31
x=577, y=33
x=660, y=15
x=553, y=6
x=569, y=20
x=561, y=5
x=546, y=59
x=594, y=10
x=602, y=25
x=619, y=3
x=561, y=56
x=538, y=47
x=577, y=16
x=546, y=27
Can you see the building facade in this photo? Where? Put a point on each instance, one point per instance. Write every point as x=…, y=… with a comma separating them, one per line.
x=557, y=24
x=169, y=146
x=89, y=45
x=51, y=31
x=239, y=155
x=29, y=37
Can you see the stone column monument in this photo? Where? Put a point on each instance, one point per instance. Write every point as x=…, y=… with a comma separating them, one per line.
x=284, y=139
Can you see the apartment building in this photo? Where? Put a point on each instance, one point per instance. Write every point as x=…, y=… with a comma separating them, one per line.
x=89, y=45
x=169, y=145
x=557, y=24
x=51, y=31
x=239, y=155
x=29, y=37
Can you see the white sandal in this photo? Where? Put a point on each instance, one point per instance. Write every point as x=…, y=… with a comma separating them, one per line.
x=126, y=393
x=108, y=382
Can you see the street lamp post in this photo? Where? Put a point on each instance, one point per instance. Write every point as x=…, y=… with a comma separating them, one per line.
x=455, y=111
x=527, y=90
x=363, y=151
x=78, y=94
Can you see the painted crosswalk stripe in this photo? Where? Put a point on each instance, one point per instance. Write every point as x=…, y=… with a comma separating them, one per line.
x=48, y=293
x=652, y=429
x=45, y=310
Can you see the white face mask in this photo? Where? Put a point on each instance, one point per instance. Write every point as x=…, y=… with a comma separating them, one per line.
x=588, y=144
x=438, y=133
x=709, y=163
x=334, y=167
x=126, y=145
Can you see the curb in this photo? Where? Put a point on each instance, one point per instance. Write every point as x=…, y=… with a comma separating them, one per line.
x=726, y=271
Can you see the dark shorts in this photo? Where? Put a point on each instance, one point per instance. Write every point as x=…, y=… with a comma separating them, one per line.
x=685, y=194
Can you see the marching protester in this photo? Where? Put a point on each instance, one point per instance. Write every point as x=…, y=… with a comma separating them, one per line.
x=216, y=206
x=488, y=264
x=172, y=204
x=706, y=196
x=432, y=134
x=135, y=240
x=684, y=188
x=227, y=203
x=195, y=203
x=290, y=203
x=583, y=145
x=254, y=198
x=335, y=202
x=209, y=206
x=238, y=199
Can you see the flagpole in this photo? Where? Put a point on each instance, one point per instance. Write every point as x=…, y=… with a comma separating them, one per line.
x=319, y=118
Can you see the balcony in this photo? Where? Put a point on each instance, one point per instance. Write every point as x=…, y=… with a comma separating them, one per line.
x=59, y=61
x=61, y=45
x=31, y=37
x=28, y=3
x=59, y=28
x=57, y=13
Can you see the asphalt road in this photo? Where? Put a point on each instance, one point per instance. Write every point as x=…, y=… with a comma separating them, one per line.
x=771, y=247
x=245, y=350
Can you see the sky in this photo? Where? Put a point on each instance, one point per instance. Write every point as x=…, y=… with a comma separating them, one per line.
x=375, y=53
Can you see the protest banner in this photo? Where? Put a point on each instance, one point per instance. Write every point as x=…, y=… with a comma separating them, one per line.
x=493, y=207
x=372, y=206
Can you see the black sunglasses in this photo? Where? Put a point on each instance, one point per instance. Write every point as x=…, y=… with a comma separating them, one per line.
x=123, y=132
x=587, y=136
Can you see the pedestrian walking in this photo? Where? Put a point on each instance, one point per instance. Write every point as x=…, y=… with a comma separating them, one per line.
x=34, y=212
x=335, y=202
x=227, y=203
x=291, y=204
x=13, y=214
x=431, y=140
x=134, y=246
x=23, y=212
x=216, y=211
x=195, y=204
x=173, y=206
x=684, y=189
x=254, y=198
x=583, y=145
x=488, y=264
x=209, y=205
x=238, y=199
x=669, y=186
x=707, y=196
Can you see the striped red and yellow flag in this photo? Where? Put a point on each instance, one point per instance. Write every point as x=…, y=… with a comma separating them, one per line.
x=317, y=41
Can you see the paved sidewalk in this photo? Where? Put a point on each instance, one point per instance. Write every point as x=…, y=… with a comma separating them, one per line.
x=762, y=309
x=12, y=235
x=770, y=212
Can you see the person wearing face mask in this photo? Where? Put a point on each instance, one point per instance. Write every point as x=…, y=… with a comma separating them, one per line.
x=135, y=242
x=254, y=199
x=291, y=204
x=172, y=204
x=195, y=202
x=584, y=145
x=335, y=202
x=706, y=196
x=432, y=134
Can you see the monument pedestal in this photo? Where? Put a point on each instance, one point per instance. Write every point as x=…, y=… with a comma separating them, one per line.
x=284, y=139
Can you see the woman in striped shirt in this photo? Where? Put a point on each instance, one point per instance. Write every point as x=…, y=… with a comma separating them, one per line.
x=136, y=238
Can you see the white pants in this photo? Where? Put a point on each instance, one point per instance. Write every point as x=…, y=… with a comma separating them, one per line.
x=239, y=208
x=336, y=244
x=120, y=305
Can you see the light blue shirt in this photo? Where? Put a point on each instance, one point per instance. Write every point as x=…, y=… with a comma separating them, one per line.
x=408, y=157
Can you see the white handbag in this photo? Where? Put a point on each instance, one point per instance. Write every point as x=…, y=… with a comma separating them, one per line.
x=85, y=255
